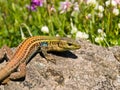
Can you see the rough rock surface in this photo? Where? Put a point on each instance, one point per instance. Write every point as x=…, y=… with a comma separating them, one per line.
x=90, y=68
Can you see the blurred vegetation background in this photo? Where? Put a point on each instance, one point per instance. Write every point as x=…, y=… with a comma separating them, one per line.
x=94, y=20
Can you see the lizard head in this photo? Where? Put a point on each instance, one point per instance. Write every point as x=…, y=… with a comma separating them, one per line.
x=68, y=44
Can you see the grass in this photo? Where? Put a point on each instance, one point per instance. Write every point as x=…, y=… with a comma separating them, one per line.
x=15, y=17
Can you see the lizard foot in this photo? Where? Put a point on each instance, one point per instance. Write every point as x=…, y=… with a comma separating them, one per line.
x=50, y=58
x=5, y=81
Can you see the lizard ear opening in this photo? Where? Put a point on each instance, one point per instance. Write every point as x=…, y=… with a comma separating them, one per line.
x=43, y=44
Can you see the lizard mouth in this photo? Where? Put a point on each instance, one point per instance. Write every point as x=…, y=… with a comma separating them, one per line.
x=73, y=47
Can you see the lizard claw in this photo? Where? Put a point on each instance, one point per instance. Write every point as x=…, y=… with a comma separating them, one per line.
x=52, y=60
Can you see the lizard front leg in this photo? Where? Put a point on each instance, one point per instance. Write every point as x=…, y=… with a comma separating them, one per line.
x=47, y=56
x=5, y=53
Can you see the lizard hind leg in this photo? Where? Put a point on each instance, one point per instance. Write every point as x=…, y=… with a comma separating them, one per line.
x=20, y=73
x=16, y=75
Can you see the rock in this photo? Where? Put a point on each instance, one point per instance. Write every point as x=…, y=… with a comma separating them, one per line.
x=90, y=68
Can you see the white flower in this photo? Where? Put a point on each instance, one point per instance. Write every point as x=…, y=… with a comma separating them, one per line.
x=57, y=35
x=107, y=3
x=100, y=8
x=112, y=2
x=116, y=11
x=45, y=29
x=118, y=25
x=100, y=31
x=52, y=8
x=76, y=7
x=82, y=35
x=85, y=35
x=99, y=39
x=88, y=16
x=117, y=1
x=91, y=2
x=65, y=6
x=100, y=15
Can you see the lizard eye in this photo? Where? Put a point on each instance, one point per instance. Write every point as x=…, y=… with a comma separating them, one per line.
x=69, y=44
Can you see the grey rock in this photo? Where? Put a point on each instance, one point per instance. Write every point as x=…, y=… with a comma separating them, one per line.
x=90, y=68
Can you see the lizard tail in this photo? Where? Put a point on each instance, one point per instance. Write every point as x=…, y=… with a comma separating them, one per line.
x=4, y=73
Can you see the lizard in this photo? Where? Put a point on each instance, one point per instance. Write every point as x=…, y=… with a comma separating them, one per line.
x=17, y=61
